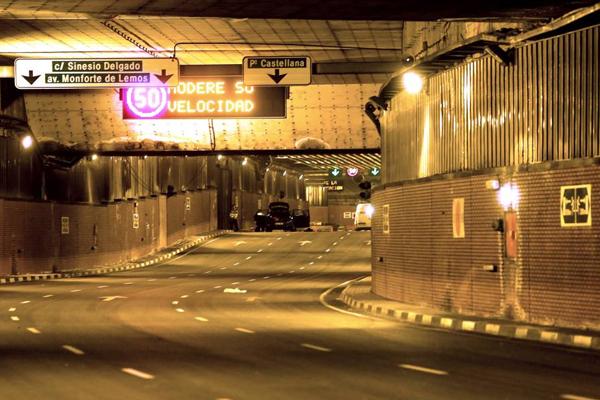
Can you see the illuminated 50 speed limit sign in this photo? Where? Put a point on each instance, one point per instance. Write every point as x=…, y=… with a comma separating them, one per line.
x=146, y=102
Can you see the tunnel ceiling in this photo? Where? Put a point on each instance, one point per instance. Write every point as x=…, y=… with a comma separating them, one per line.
x=297, y=9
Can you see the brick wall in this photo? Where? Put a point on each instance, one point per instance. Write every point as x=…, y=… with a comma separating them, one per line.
x=31, y=239
x=555, y=278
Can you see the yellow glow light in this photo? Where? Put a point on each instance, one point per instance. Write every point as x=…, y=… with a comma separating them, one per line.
x=412, y=82
x=27, y=141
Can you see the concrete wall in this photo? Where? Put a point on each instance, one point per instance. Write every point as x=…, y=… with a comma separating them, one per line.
x=31, y=239
x=554, y=278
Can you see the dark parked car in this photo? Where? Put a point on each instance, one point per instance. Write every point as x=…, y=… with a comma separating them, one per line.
x=279, y=216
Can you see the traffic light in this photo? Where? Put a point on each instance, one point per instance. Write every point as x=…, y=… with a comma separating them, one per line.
x=366, y=187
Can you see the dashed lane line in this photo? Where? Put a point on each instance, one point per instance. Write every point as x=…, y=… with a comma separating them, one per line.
x=568, y=396
x=244, y=330
x=46, y=296
x=251, y=280
x=14, y=318
x=249, y=258
x=174, y=302
x=102, y=286
x=179, y=310
x=315, y=347
x=318, y=258
x=423, y=369
x=185, y=296
x=311, y=263
x=12, y=309
x=201, y=319
x=73, y=350
x=75, y=290
x=200, y=291
x=137, y=373
x=217, y=287
x=260, y=251
x=26, y=302
x=235, y=264
x=327, y=251
x=270, y=244
x=34, y=331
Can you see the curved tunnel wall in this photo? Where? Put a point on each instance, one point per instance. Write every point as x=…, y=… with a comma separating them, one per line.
x=534, y=124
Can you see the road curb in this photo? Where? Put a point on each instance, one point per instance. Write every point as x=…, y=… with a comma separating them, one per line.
x=495, y=328
x=161, y=256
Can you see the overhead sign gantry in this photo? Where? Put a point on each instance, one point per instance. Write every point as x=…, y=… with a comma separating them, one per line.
x=95, y=73
x=277, y=71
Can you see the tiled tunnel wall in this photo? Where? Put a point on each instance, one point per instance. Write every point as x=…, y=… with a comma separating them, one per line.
x=31, y=240
x=555, y=278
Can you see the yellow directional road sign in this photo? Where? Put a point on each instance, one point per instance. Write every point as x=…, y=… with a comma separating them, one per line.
x=277, y=71
x=95, y=73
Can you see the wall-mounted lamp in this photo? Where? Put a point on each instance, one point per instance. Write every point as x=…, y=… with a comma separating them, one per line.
x=412, y=82
x=27, y=141
x=94, y=157
x=508, y=196
x=245, y=161
x=219, y=157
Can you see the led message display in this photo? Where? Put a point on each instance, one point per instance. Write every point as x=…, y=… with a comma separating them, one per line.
x=222, y=97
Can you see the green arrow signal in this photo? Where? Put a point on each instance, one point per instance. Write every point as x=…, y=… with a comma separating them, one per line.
x=375, y=171
x=335, y=172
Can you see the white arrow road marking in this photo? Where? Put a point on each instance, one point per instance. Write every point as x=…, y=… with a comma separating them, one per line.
x=34, y=331
x=201, y=319
x=73, y=350
x=111, y=298
x=423, y=369
x=244, y=330
x=317, y=348
x=234, y=290
x=304, y=242
x=137, y=373
x=239, y=243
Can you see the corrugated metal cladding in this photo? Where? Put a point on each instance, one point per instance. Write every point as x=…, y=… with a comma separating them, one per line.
x=483, y=114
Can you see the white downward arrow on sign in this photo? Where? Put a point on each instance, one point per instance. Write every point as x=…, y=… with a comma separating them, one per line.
x=302, y=243
x=111, y=298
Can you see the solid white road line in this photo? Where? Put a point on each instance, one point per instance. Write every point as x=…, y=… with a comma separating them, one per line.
x=201, y=319
x=244, y=330
x=73, y=350
x=14, y=318
x=423, y=369
x=314, y=347
x=34, y=331
x=137, y=373
x=576, y=397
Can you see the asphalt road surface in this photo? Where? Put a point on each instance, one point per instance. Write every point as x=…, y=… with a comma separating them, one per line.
x=244, y=317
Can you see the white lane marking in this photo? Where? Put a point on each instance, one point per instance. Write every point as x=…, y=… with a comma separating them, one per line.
x=235, y=264
x=48, y=296
x=260, y=251
x=137, y=373
x=207, y=272
x=175, y=302
x=327, y=251
x=200, y=291
x=279, y=238
x=304, y=243
x=111, y=298
x=335, y=243
x=266, y=277
x=102, y=286
x=568, y=396
x=201, y=319
x=128, y=283
x=179, y=310
x=301, y=267
x=325, y=304
x=34, y=331
x=152, y=280
x=217, y=287
x=14, y=318
x=279, y=274
x=244, y=330
x=12, y=309
x=224, y=267
x=270, y=244
x=75, y=290
x=423, y=369
x=249, y=257
x=311, y=263
x=26, y=302
x=73, y=350
x=238, y=243
x=251, y=280
x=235, y=283
x=314, y=347
x=234, y=290
x=318, y=258
x=172, y=277
x=185, y=296
x=212, y=240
